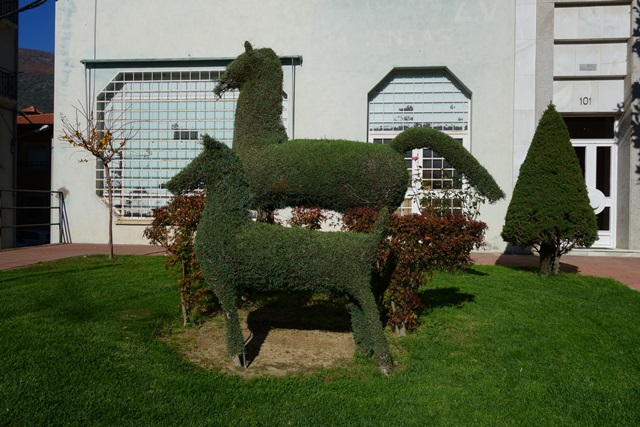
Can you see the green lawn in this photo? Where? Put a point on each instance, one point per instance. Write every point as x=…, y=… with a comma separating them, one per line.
x=78, y=346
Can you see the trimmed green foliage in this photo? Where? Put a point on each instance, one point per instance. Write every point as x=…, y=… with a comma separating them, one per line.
x=415, y=245
x=258, y=123
x=80, y=346
x=550, y=208
x=235, y=252
x=330, y=174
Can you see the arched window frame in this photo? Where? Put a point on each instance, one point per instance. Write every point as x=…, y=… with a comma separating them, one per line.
x=409, y=97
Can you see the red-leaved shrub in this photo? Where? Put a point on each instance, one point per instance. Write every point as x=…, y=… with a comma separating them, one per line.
x=174, y=227
x=307, y=217
x=416, y=245
x=359, y=220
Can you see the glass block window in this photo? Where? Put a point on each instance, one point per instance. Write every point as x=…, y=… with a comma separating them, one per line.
x=421, y=98
x=409, y=99
x=167, y=113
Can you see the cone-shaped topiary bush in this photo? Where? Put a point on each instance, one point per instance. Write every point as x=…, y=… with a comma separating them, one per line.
x=550, y=209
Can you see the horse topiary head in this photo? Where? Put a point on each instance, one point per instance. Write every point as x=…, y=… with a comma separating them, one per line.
x=257, y=74
x=211, y=166
x=251, y=65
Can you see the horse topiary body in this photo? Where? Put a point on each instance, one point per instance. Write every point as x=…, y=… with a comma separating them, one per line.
x=235, y=252
x=331, y=174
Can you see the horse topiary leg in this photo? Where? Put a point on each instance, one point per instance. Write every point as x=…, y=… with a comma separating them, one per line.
x=361, y=332
x=235, y=340
x=367, y=329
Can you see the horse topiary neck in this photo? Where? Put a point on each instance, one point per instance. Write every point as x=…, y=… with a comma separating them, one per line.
x=228, y=201
x=258, y=121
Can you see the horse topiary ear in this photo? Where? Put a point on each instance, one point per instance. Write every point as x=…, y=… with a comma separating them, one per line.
x=210, y=143
x=247, y=47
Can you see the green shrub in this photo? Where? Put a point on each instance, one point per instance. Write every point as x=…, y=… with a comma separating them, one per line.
x=258, y=124
x=331, y=174
x=550, y=208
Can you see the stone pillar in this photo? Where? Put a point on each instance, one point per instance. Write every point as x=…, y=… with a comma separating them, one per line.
x=628, y=224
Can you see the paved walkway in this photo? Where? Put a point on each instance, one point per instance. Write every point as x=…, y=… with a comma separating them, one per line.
x=624, y=269
x=21, y=257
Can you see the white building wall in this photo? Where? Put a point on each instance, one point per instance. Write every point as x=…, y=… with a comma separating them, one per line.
x=347, y=47
x=524, y=84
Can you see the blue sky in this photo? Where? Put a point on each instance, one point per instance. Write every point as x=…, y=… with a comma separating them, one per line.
x=36, y=26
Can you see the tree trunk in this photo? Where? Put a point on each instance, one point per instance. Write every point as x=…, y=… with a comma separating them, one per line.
x=185, y=309
x=266, y=215
x=401, y=330
x=184, y=295
x=549, y=260
x=110, y=196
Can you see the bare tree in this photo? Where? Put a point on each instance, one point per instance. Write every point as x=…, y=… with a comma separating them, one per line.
x=104, y=139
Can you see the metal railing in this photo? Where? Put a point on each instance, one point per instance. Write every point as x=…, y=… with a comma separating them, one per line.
x=9, y=203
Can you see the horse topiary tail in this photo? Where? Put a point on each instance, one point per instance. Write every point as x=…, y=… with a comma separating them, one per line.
x=461, y=159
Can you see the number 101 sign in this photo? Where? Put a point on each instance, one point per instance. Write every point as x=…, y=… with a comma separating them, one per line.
x=585, y=100
x=582, y=96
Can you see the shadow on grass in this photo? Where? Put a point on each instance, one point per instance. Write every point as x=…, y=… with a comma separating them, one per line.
x=73, y=303
x=529, y=263
x=472, y=271
x=444, y=297
x=44, y=270
x=295, y=311
x=65, y=291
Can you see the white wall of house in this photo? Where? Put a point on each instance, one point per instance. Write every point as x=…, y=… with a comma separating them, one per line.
x=347, y=48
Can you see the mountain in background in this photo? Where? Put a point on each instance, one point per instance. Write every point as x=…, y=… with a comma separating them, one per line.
x=35, y=79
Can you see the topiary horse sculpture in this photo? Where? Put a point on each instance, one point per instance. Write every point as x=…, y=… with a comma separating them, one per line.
x=235, y=252
x=331, y=174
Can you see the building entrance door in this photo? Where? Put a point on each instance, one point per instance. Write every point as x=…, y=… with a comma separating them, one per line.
x=594, y=139
x=598, y=162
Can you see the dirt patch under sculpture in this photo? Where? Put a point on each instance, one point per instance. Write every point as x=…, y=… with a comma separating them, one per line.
x=281, y=341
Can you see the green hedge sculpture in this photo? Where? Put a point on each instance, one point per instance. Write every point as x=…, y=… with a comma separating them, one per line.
x=331, y=174
x=235, y=252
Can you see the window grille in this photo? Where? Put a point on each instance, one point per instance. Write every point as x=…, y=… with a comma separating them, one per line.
x=421, y=98
x=166, y=113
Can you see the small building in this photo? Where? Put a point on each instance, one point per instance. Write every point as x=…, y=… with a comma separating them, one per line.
x=33, y=178
x=482, y=71
x=8, y=104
